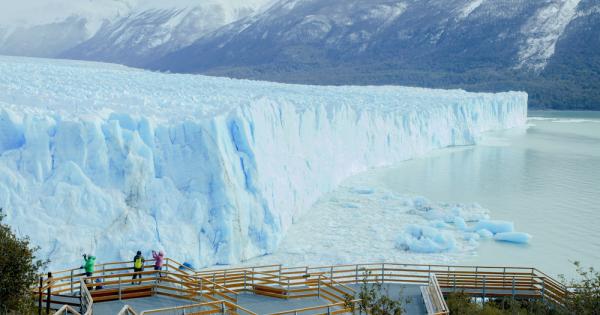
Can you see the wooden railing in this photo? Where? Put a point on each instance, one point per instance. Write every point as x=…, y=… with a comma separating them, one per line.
x=127, y=310
x=434, y=299
x=329, y=282
x=216, y=307
x=66, y=310
x=87, y=303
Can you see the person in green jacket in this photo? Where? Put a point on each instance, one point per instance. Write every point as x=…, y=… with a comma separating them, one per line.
x=89, y=262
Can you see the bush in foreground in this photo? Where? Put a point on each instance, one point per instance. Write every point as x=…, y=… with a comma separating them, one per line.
x=583, y=299
x=19, y=270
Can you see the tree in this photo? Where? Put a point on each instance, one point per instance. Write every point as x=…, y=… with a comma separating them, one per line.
x=584, y=297
x=19, y=269
x=374, y=299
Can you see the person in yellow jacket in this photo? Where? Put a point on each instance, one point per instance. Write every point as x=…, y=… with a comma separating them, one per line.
x=138, y=266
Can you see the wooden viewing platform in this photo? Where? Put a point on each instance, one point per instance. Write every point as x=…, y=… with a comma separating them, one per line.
x=279, y=290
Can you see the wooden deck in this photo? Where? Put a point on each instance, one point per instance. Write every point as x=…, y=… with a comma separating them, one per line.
x=282, y=290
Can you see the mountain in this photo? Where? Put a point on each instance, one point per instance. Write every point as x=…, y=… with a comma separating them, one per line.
x=150, y=33
x=546, y=47
x=132, y=32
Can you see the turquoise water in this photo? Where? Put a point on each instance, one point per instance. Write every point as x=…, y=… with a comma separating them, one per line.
x=546, y=179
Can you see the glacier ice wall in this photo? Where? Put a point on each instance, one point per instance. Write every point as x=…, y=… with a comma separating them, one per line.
x=107, y=160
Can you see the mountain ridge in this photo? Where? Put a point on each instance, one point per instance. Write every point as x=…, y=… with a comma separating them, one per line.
x=545, y=47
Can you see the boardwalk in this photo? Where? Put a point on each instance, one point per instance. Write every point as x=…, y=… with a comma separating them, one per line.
x=266, y=305
x=285, y=290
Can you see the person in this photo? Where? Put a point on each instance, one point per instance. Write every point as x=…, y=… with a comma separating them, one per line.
x=99, y=285
x=88, y=265
x=159, y=259
x=138, y=266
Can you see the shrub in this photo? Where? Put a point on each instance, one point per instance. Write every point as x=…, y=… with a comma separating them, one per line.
x=19, y=269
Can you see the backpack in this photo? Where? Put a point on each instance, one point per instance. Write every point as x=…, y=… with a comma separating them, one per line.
x=138, y=263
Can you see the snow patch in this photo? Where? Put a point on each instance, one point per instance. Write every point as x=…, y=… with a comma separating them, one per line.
x=469, y=8
x=542, y=32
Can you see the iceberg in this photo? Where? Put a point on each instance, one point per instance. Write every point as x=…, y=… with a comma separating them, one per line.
x=513, y=237
x=104, y=159
x=495, y=226
x=425, y=239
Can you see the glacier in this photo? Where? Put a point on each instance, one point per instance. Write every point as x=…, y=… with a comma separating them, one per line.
x=104, y=159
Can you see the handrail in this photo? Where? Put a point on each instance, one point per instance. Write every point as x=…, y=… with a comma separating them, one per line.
x=127, y=310
x=314, y=308
x=438, y=296
x=220, y=282
x=184, y=307
x=87, y=297
x=66, y=309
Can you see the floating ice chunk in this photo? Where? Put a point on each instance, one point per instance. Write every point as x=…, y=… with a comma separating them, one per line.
x=425, y=239
x=460, y=223
x=421, y=203
x=495, y=226
x=471, y=236
x=484, y=233
x=457, y=211
x=513, y=237
x=439, y=224
x=363, y=191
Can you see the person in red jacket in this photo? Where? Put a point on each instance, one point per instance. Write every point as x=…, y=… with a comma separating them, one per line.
x=159, y=259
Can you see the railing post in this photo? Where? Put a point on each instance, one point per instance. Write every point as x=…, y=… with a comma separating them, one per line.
x=49, y=293
x=543, y=288
x=40, y=296
x=253, y=276
x=245, y=275
x=454, y=276
x=81, y=310
x=201, y=289
x=513, y=288
x=331, y=275
x=356, y=278
x=223, y=308
x=319, y=287
x=484, y=288
x=225, y=277
x=119, y=288
x=72, y=282
x=504, y=277
x=383, y=273
x=280, y=273
x=328, y=310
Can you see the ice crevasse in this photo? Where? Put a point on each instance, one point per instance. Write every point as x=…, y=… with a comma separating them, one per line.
x=104, y=159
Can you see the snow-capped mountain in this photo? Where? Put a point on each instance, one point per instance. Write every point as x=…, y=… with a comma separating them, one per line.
x=545, y=47
x=122, y=31
x=475, y=44
x=151, y=32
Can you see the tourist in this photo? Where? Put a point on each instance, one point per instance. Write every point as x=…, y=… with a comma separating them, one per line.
x=138, y=266
x=89, y=262
x=159, y=259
